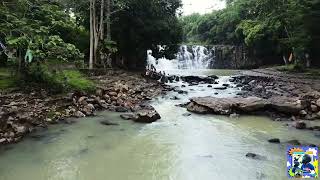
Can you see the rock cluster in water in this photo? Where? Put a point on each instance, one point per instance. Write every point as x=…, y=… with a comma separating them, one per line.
x=25, y=112
x=267, y=96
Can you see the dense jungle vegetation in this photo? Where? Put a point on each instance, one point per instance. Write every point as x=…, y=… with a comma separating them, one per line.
x=272, y=30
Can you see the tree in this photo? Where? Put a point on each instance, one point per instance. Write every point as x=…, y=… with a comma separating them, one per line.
x=143, y=25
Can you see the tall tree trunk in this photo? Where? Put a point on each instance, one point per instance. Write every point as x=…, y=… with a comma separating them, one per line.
x=95, y=33
x=101, y=29
x=91, y=36
x=108, y=38
x=108, y=19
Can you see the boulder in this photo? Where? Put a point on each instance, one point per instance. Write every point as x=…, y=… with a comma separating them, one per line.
x=88, y=109
x=286, y=105
x=79, y=114
x=303, y=113
x=82, y=100
x=146, y=116
x=300, y=125
x=20, y=129
x=314, y=108
x=318, y=103
x=196, y=108
x=127, y=116
x=112, y=93
x=197, y=79
x=234, y=115
x=226, y=106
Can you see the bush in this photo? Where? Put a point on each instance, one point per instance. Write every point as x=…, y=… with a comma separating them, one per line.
x=297, y=67
x=57, y=81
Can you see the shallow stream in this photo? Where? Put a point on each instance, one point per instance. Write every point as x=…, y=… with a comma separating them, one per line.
x=197, y=147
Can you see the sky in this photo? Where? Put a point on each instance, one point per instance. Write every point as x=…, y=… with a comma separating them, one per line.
x=201, y=6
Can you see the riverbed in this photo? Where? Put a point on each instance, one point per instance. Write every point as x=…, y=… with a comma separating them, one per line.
x=177, y=147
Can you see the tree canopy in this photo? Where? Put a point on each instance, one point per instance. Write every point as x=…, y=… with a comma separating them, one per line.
x=267, y=27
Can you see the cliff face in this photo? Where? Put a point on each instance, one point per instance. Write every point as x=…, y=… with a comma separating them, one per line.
x=233, y=57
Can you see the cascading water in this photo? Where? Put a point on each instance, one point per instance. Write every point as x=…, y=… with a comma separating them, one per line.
x=188, y=57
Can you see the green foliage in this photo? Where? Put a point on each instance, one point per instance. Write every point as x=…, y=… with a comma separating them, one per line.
x=44, y=28
x=145, y=24
x=6, y=79
x=268, y=28
x=58, y=81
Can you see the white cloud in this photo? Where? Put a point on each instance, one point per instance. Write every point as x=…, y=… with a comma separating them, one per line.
x=201, y=6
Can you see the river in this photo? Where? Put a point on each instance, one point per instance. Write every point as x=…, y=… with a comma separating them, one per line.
x=177, y=147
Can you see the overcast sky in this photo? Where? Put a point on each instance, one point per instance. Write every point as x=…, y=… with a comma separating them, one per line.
x=201, y=6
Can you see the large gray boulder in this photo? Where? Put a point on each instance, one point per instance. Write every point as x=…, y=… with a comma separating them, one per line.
x=227, y=106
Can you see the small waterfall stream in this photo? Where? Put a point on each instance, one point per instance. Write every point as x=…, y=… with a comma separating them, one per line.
x=188, y=57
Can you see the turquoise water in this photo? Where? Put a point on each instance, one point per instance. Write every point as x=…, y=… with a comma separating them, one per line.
x=204, y=147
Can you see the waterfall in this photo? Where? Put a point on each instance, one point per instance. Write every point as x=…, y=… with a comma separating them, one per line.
x=188, y=57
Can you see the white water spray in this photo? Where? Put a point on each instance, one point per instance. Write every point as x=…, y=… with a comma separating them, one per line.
x=188, y=57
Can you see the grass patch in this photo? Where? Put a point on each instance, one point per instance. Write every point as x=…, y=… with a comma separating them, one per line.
x=75, y=80
x=296, y=68
x=6, y=79
x=299, y=69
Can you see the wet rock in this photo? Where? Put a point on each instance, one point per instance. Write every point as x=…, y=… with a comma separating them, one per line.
x=213, y=77
x=318, y=103
x=88, y=109
x=183, y=86
x=314, y=108
x=209, y=86
x=147, y=116
x=99, y=92
x=315, y=128
x=186, y=114
x=121, y=109
x=127, y=116
x=232, y=80
x=226, y=85
x=303, y=113
x=254, y=156
x=197, y=79
x=293, y=142
x=234, y=116
x=220, y=88
x=286, y=105
x=227, y=106
x=196, y=108
x=182, y=92
x=82, y=100
x=20, y=129
x=79, y=114
x=112, y=93
x=175, y=98
x=274, y=140
x=108, y=123
x=300, y=125
x=182, y=105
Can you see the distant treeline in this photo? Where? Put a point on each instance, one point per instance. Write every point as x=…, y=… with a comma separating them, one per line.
x=273, y=30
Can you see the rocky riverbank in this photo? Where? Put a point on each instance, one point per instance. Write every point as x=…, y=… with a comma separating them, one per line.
x=282, y=98
x=23, y=112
